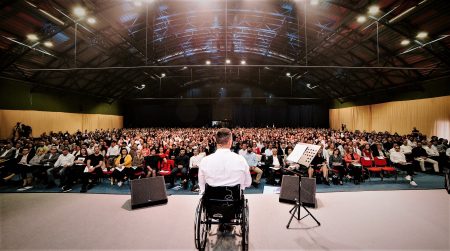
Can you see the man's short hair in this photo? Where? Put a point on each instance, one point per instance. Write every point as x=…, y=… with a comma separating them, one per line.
x=223, y=136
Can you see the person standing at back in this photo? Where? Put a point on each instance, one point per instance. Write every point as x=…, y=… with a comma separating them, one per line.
x=224, y=168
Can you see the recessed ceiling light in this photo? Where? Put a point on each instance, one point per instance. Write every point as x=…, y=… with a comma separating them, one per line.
x=32, y=37
x=184, y=68
x=361, y=19
x=374, y=9
x=79, y=11
x=208, y=62
x=422, y=34
x=48, y=44
x=91, y=20
x=405, y=42
x=288, y=74
x=163, y=75
x=243, y=62
x=228, y=61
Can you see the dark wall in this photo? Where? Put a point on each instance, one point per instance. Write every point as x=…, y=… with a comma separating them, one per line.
x=247, y=114
x=18, y=95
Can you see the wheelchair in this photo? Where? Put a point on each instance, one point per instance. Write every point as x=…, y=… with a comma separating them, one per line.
x=221, y=205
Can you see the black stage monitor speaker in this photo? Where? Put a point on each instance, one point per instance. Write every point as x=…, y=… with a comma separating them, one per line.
x=289, y=190
x=148, y=192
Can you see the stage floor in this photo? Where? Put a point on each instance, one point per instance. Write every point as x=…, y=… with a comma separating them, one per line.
x=350, y=220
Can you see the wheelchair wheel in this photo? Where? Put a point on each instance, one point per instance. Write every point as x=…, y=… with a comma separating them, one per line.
x=245, y=226
x=200, y=227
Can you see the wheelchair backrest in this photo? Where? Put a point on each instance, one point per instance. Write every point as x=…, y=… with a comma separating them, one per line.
x=223, y=201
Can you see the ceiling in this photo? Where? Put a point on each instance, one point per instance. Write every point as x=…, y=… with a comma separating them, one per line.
x=165, y=45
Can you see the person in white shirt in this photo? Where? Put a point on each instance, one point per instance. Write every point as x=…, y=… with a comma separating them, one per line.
x=112, y=153
x=243, y=149
x=224, y=168
x=356, y=148
x=62, y=165
x=405, y=148
x=399, y=160
x=431, y=150
x=252, y=162
x=448, y=152
x=194, y=163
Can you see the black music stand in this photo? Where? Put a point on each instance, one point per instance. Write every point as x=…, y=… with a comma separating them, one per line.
x=306, y=157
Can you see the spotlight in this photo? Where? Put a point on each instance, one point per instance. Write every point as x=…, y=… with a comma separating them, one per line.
x=405, y=42
x=184, y=68
x=163, y=75
x=208, y=62
x=288, y=74
x=79, y=11
x=243, y=62
x=48, y=44
x=143, y=85
x=374, y=9
x=422, y=34
x=314, y=2
x=361, y=19
x=228, y=61
x=91, y=20
x=32, y=37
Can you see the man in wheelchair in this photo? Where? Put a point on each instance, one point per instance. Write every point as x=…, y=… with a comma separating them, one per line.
x=222, y=175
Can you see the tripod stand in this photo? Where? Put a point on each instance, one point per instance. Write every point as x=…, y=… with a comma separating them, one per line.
x=298, y=206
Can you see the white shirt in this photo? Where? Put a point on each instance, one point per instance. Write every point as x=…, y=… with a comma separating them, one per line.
x=406, y=149
x=448, y=152
x=113, y=151
x=397, y=157
x=356, y=150
x=23, y=160
x=224, y=168
x=194, y=161
x=276, y=162
x=268, y=152
x=242, y=152
x=64, y=160
x=431, y=151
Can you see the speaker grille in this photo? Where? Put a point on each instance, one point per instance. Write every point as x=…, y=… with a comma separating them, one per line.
x=148, y=192
x=289, y=190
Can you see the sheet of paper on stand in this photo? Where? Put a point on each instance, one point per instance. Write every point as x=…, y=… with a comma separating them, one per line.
x=297, y=153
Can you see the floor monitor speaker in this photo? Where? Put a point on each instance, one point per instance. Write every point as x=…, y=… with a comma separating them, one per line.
x=289, y=190
x=148, y=192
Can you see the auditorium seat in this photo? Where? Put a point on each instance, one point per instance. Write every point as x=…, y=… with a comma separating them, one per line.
x=382, y=163
x=368, y=164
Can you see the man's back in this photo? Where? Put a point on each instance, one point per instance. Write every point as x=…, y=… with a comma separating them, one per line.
x=224, y=168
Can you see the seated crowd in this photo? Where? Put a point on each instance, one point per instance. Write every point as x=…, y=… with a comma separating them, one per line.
x=122, y=155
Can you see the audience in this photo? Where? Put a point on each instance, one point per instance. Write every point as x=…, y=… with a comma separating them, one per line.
x=85, y=157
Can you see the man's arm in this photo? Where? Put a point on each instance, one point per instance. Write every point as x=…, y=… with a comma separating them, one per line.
x=247, y=179
x=58, y=162
x=201, y=177
x=71, y=160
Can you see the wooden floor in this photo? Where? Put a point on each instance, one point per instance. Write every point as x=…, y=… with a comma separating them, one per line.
x=383, y=220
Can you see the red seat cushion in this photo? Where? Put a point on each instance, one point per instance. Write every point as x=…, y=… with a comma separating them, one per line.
x=374, y=169
x=389, y=169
